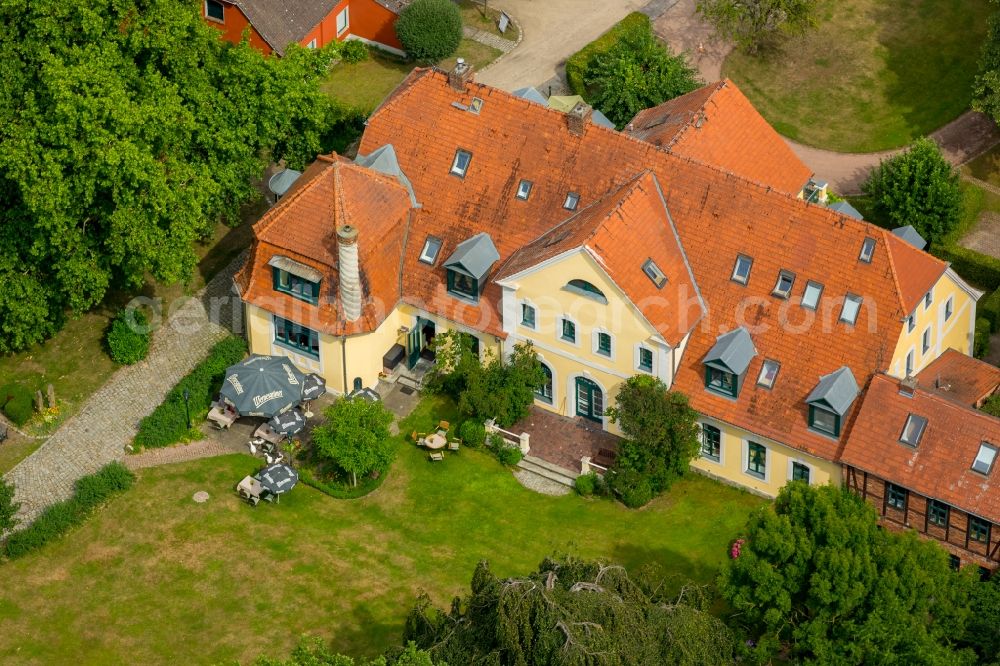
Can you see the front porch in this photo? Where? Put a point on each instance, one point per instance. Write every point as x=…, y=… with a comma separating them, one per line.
x=562, y=440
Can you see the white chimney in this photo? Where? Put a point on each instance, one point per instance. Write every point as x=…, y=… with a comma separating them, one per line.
x=350, y=279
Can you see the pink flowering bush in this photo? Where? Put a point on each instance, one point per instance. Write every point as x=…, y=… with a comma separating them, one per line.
x=734, y=550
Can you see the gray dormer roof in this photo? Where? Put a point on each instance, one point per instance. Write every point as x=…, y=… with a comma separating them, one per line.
x=532, y=95
x=732, y=352
x=473, y=257
x=383, y=160
x=835, y=391
x=845, y=208
x=282, y=180
x=911, y=236
x=599, y=118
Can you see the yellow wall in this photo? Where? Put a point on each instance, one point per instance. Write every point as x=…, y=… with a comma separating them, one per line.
x=545, y=290
x=732, y=463
x=952, y=334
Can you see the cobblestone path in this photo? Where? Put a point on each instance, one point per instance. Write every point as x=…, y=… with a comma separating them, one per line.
x=108, y=420
x=488, y=38
x=204, y=448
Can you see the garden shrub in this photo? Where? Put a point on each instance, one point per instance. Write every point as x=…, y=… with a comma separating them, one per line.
x=430, y=30
x=981, y=346
x=585, y=484
x=508, y=455
x=90, y=492
x=632, y=488
x=496, y=441
x=992, y=405
x=578, y=63
x=128, y=337
x=168, y=422
x=353, y=51
x=472, y=433
x=988, y=308
x=16, y=403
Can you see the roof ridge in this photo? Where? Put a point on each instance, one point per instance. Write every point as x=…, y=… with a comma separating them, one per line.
x=893, y=271
x=933, y=395
x=265, y=222
x=718, y=85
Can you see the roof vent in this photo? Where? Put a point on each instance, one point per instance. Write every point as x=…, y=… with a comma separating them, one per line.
x=908, y=386
x=460, y=75
x=578, y=117
x=941, y=385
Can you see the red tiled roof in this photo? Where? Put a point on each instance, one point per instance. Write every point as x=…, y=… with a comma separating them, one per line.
x=941, y=465
x=717, y=215
x=622, y=231
x=916, y=271
x=718, y=125
x=961, y=378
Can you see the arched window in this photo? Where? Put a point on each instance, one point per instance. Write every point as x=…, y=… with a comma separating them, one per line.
x=585, y=288
x=358, y=384
x=544, y=392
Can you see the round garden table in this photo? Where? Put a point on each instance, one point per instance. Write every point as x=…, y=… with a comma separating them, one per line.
x=435, y=441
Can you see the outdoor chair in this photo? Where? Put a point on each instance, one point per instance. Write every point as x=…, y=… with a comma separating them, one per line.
x=421, y=442
x=444, y=425
x=454, y=444
x=417, y=436
x=435, y=456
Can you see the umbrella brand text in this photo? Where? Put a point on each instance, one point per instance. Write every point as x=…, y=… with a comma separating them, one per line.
x=259, y=400
x=234, y=380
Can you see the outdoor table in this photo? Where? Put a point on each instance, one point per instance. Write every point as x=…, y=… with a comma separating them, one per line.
x=268, y=434
x=436, y=441
x=221, y=417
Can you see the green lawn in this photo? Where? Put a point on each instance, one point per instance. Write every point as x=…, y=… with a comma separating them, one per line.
x=475, y=15
x=366, y=84
x=155, y=578
x=985, y=167
x=874, y=75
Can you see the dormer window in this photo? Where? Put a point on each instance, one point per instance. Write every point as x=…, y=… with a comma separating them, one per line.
x=849, y=312
x=584, y=288
x=463, y=285
x=432, y=246
x=722, y=382
x=654, y=273
x=524, y=190
x=867, y=250
x=295, y=279
x=810, y=297
x=572, y=200
x=985, y=458
x=461, y=163
x=913, y=430
x=741, y=271
x=727, y=361
x=768, y=373
x=468, y=266
x=830, y=401
x=783, y=288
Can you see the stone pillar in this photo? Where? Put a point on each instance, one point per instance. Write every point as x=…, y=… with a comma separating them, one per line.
x=585, y=465
x=525, y=446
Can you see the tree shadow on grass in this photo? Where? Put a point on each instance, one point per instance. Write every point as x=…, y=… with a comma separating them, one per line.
x=677, y=568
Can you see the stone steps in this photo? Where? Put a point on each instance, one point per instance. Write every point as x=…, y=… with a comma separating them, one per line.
x=547, y=470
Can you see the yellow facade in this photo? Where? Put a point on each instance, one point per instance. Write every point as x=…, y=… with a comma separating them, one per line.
x=734, y=457
x=929, y=324
x=547, y=290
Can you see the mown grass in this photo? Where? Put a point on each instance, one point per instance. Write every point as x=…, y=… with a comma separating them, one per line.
x=874, y=74
x=156, y=578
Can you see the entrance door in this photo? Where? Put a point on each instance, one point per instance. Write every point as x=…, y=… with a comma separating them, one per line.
x=414, y=343
x=589, y=400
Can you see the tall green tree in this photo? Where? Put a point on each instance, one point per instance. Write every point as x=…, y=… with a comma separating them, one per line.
x=312, y=651
x=571, y=613
x=355, y=437
x=127, y=130
x=918, y=187
x=753, y=24
x=818, y=577
x=986, y=87
x=660, y=428
x=637, y=73
x=982, y=631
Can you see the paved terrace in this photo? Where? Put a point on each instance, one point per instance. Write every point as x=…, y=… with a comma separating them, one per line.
x=562, y=440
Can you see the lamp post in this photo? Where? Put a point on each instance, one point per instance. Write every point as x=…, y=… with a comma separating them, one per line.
x=187, y=408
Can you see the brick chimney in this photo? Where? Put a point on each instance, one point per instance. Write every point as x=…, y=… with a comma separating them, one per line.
x=460, y=76
x=578, y=117
x=908, y=386
x=350, y=278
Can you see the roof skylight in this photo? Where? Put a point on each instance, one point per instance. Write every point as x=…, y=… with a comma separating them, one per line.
x=654, y=273
x=985, y=458
x=852, y=306
x=867, y=250
x=429, y=254
x=741, y=271
x=572, y=200
x=768, y=373
x=810, y=297
x=524, y=189
x=783, y=288
x=913, y=430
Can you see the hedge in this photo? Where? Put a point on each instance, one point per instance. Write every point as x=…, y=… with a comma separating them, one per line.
x=988, y=308
x=90, y=492
x=15, y=401
x=335, y=490
x=126, y=344
x=168, y=422
x=577, y=64
x=982, y=270
x=981, y=344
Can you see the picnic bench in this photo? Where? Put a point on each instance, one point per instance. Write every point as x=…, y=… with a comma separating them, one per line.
x=223, y=415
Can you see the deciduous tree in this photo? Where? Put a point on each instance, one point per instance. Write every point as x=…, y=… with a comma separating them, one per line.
x=127, y=130
x=637, y=73
x=752, y=24
x=816, y=576
x=986, y=88
x=355, y=436
x=312, y=651
x=917, y=187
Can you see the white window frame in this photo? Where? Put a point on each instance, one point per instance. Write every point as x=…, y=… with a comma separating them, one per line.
x=911, y=323
x=559, y=330
x=572, y=201
x=426, y=258
x=345, y=13
x=760, y=375
x=746, y=461
x=925, y=341
x=784, y=275
x=595, y=335
x=524, y=189
x=311, y=44
x=819, y=295
x=948, y=308
x=457, y=170
x=520, y=314
x=722, y=443
x=843, y=308
x=637, y=356
x=909, y=363
x=734, y=276
x=928, y=299
x=791, y=468
x=867, y=250
x=212, y=18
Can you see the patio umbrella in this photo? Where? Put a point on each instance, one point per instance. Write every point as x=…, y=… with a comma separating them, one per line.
x=313, y=387
x=288, y=423
x=278, y=478
x=368, y=394
x=263, y=386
